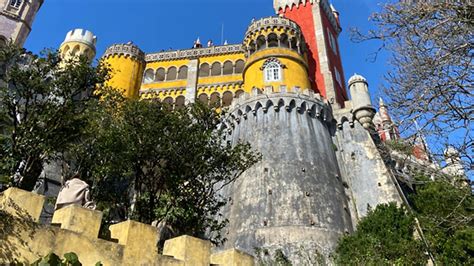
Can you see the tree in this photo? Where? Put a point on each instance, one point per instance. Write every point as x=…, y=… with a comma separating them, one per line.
x=384, y=237
x=41, y=109
x=431, y=78
x=446, y=213
x=153, y=164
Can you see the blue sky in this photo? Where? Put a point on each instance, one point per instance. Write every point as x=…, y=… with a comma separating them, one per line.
x=162, y=24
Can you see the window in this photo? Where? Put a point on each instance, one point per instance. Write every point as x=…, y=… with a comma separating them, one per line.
x=16, y=3
x=332, y=41
x=338, y=76
x=272, y=72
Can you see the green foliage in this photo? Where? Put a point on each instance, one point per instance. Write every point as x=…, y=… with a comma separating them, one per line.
x=400, y=146
x=41, y=109
x=149, y=163
x=383, y=237
x=70, y=259
x=446, y=214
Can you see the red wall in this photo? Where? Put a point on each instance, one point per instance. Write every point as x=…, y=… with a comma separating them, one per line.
x=304, y=17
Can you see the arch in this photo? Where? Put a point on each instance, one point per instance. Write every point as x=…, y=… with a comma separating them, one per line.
x=203, y=98
x=272, y=40
x=216, y=69
x=238, y=93
x=149, y=76
x=239, y=66
x=261, y=43
x=183, y=72
x=294, y=44
x=228, y=68
x=65, y=50
x=252, y=47
x=172, y=73
x=284, y=42
x=160, y=74
x=168, y=103
x=227, y=98
x=204, y=70
x=76, y=50
x=215, y=100
x=180, y=102
x=268, y=105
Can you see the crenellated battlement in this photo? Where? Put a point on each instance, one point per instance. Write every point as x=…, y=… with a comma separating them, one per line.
x=126, y=50
x=75, y=229
x=81, y=35
x=325, y=5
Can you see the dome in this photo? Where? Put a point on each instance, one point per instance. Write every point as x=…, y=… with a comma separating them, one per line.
x=357, y=78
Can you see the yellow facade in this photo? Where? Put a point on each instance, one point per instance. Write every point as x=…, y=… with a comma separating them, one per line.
x=216, y=74
x=126, y=74
x=294, y=72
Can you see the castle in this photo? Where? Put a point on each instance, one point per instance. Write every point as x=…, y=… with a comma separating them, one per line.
x=285, y=89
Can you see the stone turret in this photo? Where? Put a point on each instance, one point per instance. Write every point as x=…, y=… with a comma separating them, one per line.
x=127, y=64
x=362, y=107
x=79, y=42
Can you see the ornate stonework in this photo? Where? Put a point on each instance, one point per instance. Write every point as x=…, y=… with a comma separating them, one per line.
x=193, y=53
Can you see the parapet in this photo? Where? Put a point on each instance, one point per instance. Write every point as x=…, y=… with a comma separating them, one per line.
x=280, y=5
x=81, y=35
x=75, y=229
x=272, y=22
x=127, y=50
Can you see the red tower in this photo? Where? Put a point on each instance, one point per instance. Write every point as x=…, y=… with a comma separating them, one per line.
x=319, y=22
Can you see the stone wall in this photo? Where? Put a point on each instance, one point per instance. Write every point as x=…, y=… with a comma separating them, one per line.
x=293, y=199
x=75, y=229
x=367, y=179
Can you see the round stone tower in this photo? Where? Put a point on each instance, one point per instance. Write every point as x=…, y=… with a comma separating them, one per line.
x=127, y=64
x=294, y=198
x=78, y=42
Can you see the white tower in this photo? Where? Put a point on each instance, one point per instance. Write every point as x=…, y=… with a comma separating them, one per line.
x=16, y=19
x=78, y=42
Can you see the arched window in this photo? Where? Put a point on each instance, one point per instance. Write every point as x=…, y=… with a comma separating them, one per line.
x=149, y=76
x=65, y=50
x=160, y=74
x=238, y=93
x=272, y=70
x=183, y=72
x=172, y=72
x=16, y=3
x=75, y=51
x=284, y=42
x=168, y=103
x=215, y=100
x=272, y=40
x=216, y=69
x=204, y=70
x=227, y=98
x=228, y=68
x=179, y=103
x=239, y=67
x=261, y=43
x=203, y=98
x=252, y=47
